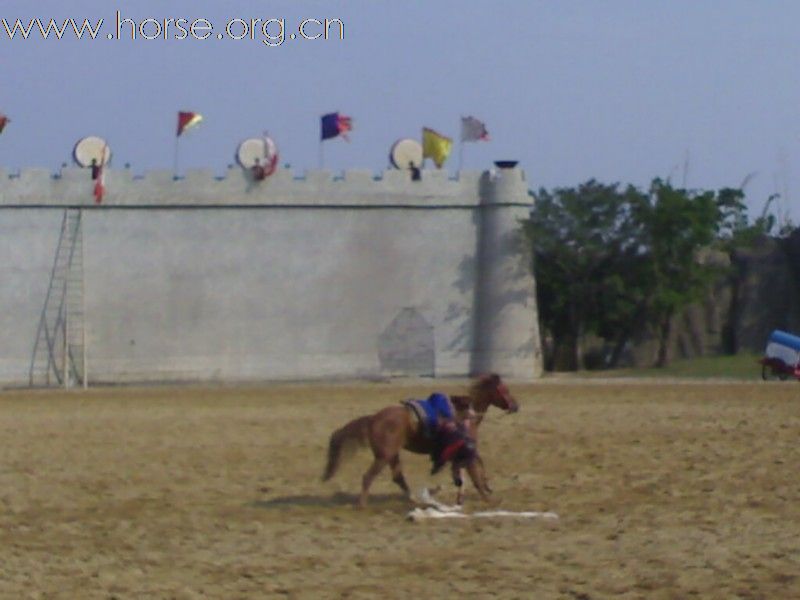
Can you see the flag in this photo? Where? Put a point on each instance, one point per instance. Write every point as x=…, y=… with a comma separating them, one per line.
x=100, y=180
x=270, y=155
x=473, y=130
x=99, y=187
x=4, y=120
x=335, y=125
x=435, y=146
x=187, y=120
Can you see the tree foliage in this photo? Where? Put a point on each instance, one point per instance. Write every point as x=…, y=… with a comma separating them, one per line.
x=677, y=224
x=586, y=255
x=610, y=260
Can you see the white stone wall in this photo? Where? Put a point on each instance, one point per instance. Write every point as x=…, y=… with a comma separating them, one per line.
x=224, y=279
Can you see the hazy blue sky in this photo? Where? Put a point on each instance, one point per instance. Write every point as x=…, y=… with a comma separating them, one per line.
x=615, y=90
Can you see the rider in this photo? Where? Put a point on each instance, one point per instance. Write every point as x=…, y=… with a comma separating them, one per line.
x=450, y=439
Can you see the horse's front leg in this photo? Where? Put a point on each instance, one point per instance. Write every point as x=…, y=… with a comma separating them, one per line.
x=478, y=476
x=458, y=480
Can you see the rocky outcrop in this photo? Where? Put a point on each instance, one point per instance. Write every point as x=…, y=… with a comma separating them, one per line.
x=757, y=291
x=765, y=292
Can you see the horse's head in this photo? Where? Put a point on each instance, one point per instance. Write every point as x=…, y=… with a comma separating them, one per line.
x=490, y=390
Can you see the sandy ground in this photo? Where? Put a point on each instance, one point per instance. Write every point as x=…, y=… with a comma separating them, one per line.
x=664, y=491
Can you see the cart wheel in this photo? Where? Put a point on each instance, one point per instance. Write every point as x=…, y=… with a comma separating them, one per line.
x=770, y=373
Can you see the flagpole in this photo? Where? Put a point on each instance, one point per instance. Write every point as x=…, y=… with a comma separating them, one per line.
x=321, y=154
x=175, y=163
x=461, y=145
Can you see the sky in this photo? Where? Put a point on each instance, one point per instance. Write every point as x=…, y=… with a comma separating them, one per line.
x=703, y=92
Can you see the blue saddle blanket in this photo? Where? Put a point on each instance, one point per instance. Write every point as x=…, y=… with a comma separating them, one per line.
x=431, y=410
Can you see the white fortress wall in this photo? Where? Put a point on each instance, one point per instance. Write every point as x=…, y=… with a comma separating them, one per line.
x=208, y=278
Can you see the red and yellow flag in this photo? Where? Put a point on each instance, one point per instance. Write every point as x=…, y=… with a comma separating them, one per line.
x=4, y=120
x=187, y=120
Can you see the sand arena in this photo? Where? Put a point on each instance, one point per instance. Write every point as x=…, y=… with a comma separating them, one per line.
x=664, y=491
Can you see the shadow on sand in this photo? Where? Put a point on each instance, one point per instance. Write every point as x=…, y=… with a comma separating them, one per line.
x=398, y=501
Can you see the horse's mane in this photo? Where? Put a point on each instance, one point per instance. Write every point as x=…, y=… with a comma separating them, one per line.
x=484, y=383
x=461, y=403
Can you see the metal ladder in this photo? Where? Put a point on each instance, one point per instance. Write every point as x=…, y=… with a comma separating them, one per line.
x=59, y=352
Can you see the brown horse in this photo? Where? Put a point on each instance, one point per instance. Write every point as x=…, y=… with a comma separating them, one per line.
x=396, y=427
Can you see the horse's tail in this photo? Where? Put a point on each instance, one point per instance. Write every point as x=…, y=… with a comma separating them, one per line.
x=356, y=432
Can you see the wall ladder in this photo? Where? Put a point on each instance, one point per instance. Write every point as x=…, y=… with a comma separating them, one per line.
x=59, y=352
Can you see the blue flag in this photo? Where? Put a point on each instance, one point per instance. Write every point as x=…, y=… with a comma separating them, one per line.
x=335, y=125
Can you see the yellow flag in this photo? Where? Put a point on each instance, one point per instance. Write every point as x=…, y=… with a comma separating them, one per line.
x=435, y=146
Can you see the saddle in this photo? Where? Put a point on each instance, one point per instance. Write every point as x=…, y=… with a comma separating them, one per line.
x=418, y=410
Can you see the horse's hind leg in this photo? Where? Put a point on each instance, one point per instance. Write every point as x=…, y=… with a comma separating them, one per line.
x=397, y=475
x=369, y=476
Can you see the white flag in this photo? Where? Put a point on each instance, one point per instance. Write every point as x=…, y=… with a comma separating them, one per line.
x=473, y=130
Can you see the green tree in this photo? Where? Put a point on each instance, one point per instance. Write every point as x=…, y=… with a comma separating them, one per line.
x=612, y=261
x=589, y=266
x=736, y=230
x=677, y=225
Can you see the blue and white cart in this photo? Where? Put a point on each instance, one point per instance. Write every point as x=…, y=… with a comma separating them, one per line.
x=782, y=356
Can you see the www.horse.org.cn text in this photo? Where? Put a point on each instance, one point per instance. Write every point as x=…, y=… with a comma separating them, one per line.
x=270, y=32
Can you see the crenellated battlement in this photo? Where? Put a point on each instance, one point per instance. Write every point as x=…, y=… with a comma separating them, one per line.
x=72, y=186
